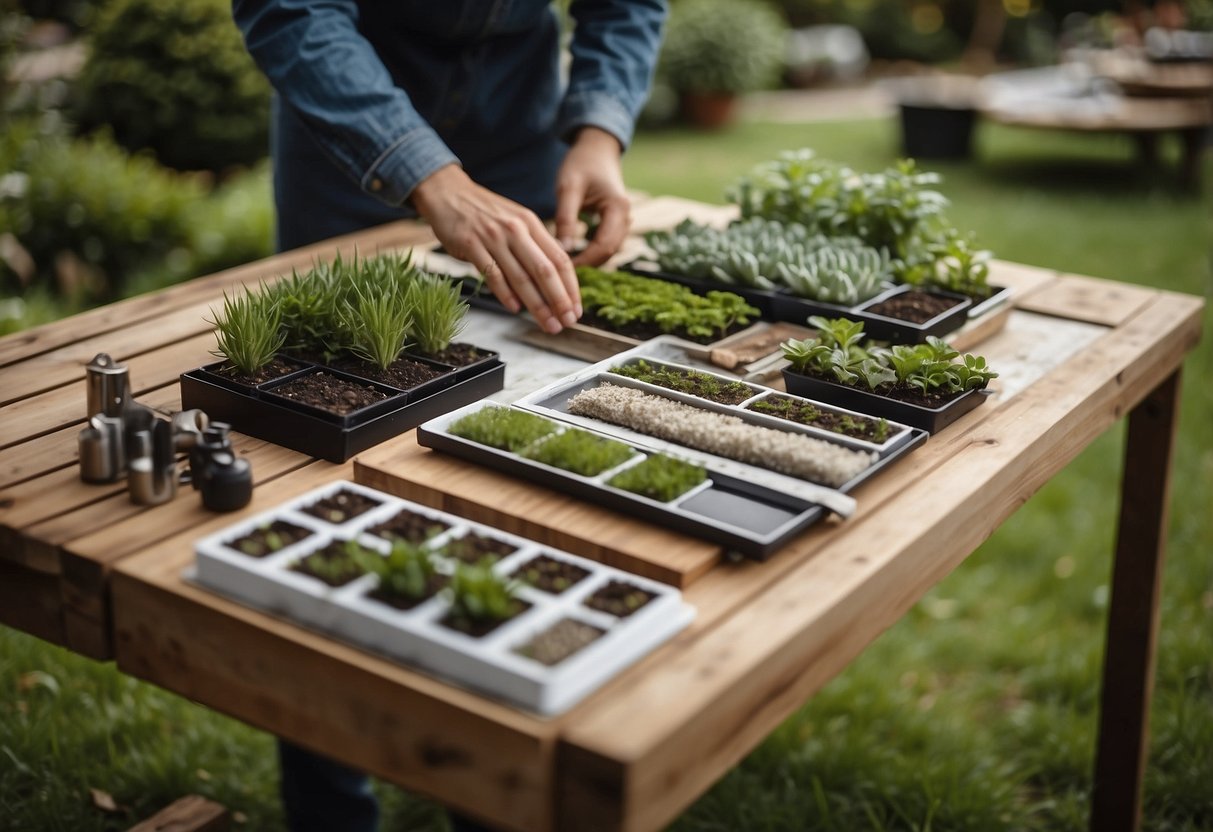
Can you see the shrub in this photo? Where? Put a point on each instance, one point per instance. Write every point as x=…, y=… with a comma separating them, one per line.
x=87, y=214
x=175, y=78
x=723, y=46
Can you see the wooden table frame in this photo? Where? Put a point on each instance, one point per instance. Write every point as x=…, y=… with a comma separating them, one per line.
x=80, y=566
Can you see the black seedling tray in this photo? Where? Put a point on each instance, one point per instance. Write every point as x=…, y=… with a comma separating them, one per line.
x=779, y=305
x=258, y=412
x=753, y=518
x=929, y=419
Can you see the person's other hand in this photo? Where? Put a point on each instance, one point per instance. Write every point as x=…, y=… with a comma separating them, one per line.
x=521, y=262
x=591, y=178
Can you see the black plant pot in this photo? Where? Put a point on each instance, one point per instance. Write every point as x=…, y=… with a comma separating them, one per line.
x=929, y=419
x=937, y=132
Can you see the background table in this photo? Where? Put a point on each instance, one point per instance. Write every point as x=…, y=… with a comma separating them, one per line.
x=81, y=566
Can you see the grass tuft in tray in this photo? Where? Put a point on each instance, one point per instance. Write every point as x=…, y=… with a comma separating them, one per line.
x=660, y=477
x=581, y=452
x=502, y=428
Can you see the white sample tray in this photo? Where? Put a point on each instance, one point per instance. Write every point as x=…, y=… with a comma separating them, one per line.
x=490, y=663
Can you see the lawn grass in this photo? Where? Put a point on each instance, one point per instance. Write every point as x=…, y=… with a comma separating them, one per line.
x=977, y=711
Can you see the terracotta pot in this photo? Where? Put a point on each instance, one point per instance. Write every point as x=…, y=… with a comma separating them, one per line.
x=709, y=110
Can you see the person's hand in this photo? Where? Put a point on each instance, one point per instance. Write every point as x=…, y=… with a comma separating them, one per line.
x=521, y=262
x=591, y=178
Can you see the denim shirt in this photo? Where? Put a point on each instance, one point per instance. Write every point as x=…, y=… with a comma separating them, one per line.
x=393, y=91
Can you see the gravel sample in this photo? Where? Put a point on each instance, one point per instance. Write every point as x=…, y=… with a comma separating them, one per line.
x=721, y=434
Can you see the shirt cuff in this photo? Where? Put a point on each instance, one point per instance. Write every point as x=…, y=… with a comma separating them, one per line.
x=415, y=156
x=593, y=108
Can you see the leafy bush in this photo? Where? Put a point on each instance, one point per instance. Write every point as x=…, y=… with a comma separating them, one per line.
x=722, y=46
x=87, y=214
x=175, y=78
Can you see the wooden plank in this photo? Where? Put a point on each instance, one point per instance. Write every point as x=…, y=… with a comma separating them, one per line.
x=58, y=449
x=404, y=468
x=1128, y=672
x=128, y=313
x=654, y=740
x=662, y=212
x=65, y=406
x=1088, y=299
x=980, y=329
x=29, y=602
x=588, y=343
x=1020, y=278
x=192, y=813
x=490, y=761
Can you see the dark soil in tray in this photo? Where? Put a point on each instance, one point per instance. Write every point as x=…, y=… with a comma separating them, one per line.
x=690, y=382
x=473, y=548
x=457, y=355
x=403, y=373
x=909, y=395
x=915, y=307
x=336, y=569
x=409, y=526
x=549, y=574
x=400, y=602
x=277, y=368
x=619, y=599
x=341, y=506
x=645, y=331
x=478, y=629
x=858, y=427
x=327, y=392
x=558, y=642
x=268, y=539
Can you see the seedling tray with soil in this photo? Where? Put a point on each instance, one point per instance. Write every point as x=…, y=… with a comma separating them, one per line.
x=367, y=412
x=575, y=624
x=746, y=508
x=901, y=314
x=929, y=414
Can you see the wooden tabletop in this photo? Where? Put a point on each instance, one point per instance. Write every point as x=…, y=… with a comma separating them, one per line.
x=81, y=566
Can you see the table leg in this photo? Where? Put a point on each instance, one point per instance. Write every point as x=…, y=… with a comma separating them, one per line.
x=1128, y=674
x=1193, y=147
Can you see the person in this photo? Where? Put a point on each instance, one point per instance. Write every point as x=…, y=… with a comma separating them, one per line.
x=457, y=112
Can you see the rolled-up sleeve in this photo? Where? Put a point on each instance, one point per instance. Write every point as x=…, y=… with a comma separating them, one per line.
x=614, y=53
x=330, y=75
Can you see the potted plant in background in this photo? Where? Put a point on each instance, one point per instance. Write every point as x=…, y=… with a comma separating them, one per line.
x=717, y=49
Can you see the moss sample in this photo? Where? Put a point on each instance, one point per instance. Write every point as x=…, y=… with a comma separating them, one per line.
x=581, y=452
x=660, y=477
x=502, y=428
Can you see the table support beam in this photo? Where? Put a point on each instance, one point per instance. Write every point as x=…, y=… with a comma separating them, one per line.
x=1128, y=675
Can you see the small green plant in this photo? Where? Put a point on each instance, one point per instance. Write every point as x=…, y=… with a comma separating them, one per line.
x=437, y=312
x=338, y=563
x=624, y=300
x=767, y=254
x=406, y=572
x=660, y=477
x=248, y=332
x=377, y=320
x=502, y=427
x=480, y=596
x=840, y=354
x=581, y=452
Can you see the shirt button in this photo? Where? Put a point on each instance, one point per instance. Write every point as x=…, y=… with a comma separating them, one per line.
x=376, y=184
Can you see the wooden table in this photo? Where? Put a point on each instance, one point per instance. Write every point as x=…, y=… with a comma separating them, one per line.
x=82, y=567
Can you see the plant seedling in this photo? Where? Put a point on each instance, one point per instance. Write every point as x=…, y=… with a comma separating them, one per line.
x=247, y=332
x=377, y=321
x=337, y=563
x=659, y=477
x=502, y=427
x=478, y=597
x=437, y=313
x=406, y=573
x=580, y=452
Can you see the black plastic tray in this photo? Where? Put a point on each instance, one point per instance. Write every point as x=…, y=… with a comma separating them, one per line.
x=780, y=305
x=929, y=419
x=751, y=518
x=256, y=412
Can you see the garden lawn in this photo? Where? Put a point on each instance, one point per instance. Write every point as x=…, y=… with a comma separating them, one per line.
x=976, y=712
